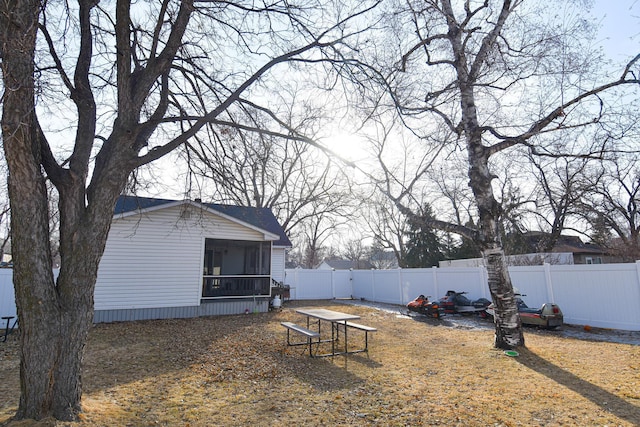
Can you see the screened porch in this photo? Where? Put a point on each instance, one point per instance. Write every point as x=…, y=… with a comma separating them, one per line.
x=234, y=268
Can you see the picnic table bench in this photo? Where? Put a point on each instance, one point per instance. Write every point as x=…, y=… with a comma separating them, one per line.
x=302, y=331
x=366, y=330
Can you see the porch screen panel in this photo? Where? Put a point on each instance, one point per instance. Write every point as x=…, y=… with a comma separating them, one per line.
x=236, y=268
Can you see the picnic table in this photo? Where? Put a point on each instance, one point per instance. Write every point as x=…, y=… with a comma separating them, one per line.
x=337, y=321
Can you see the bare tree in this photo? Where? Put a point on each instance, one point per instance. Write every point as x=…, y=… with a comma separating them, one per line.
x=561, y=189
x=612, y=208
x=135, y=81
x=475, y=68
x=291, y=178
x=315, y=236
x=387, y=226
x=353, y=250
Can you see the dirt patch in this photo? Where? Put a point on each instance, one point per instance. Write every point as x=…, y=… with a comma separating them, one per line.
x=237, y=371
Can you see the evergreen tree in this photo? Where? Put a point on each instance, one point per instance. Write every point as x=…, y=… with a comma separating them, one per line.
x=424, y=247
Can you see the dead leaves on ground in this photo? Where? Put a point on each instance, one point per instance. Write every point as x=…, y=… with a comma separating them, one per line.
x=237, y=370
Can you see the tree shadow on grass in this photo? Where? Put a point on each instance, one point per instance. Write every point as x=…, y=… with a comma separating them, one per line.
x=603, y=398
x=329, y=373
x=323, y=374
x=343, y=361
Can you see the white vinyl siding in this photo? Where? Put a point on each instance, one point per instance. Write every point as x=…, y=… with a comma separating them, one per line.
x=277, y=263
x=156, y=259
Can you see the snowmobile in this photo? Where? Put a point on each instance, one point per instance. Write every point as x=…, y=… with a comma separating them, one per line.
x=547, y=316
x=456, y=303
x=422, y=305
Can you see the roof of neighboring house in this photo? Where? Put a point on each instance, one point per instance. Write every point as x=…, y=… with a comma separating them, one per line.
x=345, y=264
x=261, y=218
x=566, y=243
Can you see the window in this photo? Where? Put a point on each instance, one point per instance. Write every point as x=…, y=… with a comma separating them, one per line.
x=235, y=268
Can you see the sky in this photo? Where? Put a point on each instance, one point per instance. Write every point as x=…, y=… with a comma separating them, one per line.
x=620, y=32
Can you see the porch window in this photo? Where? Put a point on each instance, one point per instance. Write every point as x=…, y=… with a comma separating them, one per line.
x=234, y=268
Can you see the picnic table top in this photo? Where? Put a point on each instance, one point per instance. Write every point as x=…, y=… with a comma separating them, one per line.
x=324, y=314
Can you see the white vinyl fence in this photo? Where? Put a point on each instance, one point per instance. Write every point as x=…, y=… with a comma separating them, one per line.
x=600, y=295
x=7, y=296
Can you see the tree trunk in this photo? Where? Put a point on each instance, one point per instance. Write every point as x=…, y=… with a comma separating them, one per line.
x=507, y=320
x=54, y=316
x=32, y=273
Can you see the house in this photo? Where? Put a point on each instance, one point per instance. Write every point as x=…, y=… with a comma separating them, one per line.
x=344, y=264
x=554, y=258
x=169, y=259
x=384, y=260
x=567, y=250
x=583, y=253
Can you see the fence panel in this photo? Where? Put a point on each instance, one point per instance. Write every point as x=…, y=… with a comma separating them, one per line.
x=7, y=295
x=386, y=286
x=417, y=281
x=309, y=284
x=531, y=282
x=471, y=280
x=362, y=284
x=341, y=284
x=605, y=295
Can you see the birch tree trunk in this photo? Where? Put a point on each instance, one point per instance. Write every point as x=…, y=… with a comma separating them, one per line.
x=507, y=321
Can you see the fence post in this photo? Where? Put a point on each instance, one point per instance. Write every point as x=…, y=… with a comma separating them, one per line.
x=484, y=281
x=373, y=286
x=436, y=290
x=400, y=293
x=351, y=282
x=548, y=282
x=638, y=274
x=333, y=283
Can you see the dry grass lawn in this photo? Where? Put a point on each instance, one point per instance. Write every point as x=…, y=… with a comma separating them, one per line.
x=237, y=371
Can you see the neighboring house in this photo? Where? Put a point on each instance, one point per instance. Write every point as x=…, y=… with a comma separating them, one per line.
x=168, y=259
x=384, y=260
x=555, y=258
x=567, y=250
x=583, y=253
x=344, y=264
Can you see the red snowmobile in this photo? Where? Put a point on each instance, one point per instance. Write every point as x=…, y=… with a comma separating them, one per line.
x=422, y=305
